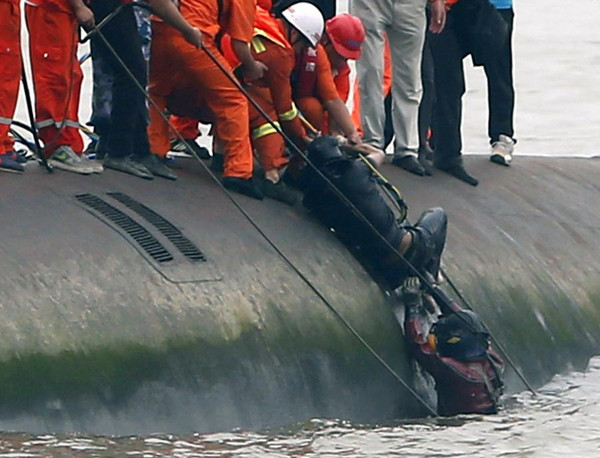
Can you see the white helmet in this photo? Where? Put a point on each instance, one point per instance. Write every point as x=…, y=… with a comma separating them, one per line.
x=307, y=19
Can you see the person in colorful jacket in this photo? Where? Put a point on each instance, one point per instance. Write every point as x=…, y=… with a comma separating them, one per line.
x=455, y=351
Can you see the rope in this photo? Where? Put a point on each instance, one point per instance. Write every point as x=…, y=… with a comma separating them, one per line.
x=259, y=230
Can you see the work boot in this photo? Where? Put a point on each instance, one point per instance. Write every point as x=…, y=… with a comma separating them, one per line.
x=189, y=146
x=64, y=158
x=502, y=150
x=279, y=191
x=426, y=166
x=158, y=168
x=217, y=162
x=127, y=165
x=458, y=171
x=243, y=186
x=9, y=165
x=409, y=163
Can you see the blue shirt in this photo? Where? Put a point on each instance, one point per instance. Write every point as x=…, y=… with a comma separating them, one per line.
x=502, y=4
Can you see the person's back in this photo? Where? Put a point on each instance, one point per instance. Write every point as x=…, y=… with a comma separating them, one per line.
x=456, y=353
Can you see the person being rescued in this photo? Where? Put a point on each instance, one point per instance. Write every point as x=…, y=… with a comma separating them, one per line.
x=455, y=351
x=321, y=78
x=275, y=44
x=421, y=245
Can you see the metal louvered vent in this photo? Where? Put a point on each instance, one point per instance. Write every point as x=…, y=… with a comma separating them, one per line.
x=174, y=235
x=145, y=239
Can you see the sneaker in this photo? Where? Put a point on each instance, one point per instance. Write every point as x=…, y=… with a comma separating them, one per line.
x=409, y=163
x=502, y=150
x=64, y=158
x=189, y=146
x=17, y=156
x=279, y=191
x=243, y=186
x=127, y=165
x=458, y=171
x=7, y=164
x=96, y=166
x=158, y=168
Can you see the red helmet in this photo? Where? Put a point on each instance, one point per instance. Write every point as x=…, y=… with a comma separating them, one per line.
x=347, y=34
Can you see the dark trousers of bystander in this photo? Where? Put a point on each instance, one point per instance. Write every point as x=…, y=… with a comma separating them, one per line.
x=127, y=133
x=448, y=49
x=501, y=93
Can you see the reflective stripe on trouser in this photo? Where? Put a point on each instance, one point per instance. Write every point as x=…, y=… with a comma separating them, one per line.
x=57, y=76
x=405, y=24
x=269, y=145
x=176, y=64
x=10, y=69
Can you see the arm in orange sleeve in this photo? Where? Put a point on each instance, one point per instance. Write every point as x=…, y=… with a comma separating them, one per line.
x=240, y=20
x=326, y=89
x=342, y=84
x=281, y=64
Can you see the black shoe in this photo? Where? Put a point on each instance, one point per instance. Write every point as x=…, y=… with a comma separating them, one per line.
x=158, y=167
x=217, y=162
x=423, y=161
x=459, y=172
x=409, y=163
x=427, y=151
x=127, y=165
x=190, y=146
x=243, y=186
x=279, y=191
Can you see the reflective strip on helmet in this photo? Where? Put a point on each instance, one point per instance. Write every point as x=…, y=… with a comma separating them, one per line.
x=258, y=45
x=5, y=121
x=289, y=115
x=264, y=130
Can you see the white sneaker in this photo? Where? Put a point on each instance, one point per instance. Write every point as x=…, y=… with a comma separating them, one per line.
x=64, y=158
x=96, y=166
x=502, y=150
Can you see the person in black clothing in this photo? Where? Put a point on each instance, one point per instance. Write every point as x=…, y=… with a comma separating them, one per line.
x=126, y=138
x=421, y=244
x=455, y=351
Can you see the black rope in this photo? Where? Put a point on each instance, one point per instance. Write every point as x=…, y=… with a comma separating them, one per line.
x=255, y=225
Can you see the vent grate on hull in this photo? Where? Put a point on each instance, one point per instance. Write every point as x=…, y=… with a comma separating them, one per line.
x=144, y=239
x=174, y=235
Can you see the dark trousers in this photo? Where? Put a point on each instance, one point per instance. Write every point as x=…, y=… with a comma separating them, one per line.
x=501, y=93
x=448, y=49
x=129, y=113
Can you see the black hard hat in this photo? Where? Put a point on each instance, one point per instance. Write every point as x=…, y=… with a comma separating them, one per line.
x=324, y=150
x=461, y=335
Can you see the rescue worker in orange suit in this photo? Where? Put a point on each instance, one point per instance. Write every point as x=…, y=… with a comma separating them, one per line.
x=10, y=77
x=321, y=73
x=187, y=81
x=57, y=76
x=455, y=351
x=275, y=43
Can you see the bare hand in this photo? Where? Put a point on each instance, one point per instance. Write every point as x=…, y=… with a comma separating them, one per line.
x=355, y=138
x=255, y=71
x=194, y=37
x=85, y=17
x=438, y=16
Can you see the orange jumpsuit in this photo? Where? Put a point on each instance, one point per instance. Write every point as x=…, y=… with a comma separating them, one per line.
x=273, y=91
x=314, y=85
x=57, y=75
x=177, y=67
x=10, y=68
x=387, y=84
x=186, y=127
